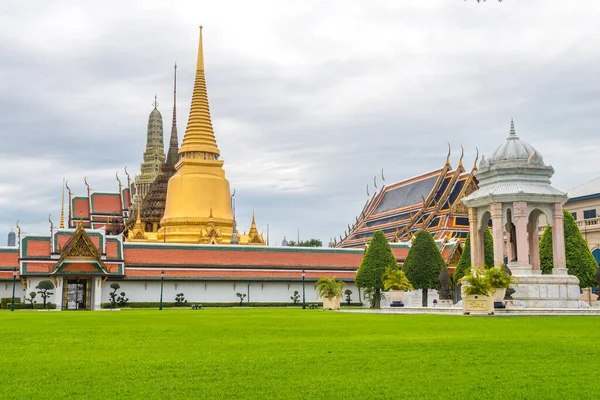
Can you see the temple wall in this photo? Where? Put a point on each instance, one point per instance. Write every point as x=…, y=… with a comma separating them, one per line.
x=6, y=289
x=214, y=291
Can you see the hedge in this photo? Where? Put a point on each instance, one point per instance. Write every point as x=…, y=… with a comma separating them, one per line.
x=6, y=301
x=156, y=304
x=23, y=306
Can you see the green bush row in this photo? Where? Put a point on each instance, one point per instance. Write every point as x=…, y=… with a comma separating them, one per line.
x=155, y=304
x=6, y=301
x=23, y=306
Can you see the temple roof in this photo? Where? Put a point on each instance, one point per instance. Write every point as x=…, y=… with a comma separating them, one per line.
x=429, y=201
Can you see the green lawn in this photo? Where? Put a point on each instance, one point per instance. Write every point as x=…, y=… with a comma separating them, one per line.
x=291, y=354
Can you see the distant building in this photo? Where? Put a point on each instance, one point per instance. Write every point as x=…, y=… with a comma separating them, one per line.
x=584, y=205
x=284, y=242
x=12, y=238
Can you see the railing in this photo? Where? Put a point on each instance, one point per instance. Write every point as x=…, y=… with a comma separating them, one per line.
x=584, y=223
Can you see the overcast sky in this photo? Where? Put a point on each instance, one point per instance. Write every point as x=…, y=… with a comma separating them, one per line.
x=309, y=99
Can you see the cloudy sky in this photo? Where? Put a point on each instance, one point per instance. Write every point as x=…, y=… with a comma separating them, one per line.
x=310, y=99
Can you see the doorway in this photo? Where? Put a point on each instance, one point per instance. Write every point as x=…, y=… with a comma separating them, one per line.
x=77, y=294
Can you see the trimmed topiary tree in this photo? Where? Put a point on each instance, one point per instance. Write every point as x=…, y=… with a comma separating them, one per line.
x=464, y=264
x=580, y=261
x=44, y=289
x=424, y=263
x=377, y=259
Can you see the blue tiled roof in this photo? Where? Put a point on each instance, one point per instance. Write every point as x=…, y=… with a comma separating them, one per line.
x=407, y=195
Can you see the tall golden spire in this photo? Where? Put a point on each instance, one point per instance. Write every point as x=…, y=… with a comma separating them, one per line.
x=62, y=207
x=199, y=135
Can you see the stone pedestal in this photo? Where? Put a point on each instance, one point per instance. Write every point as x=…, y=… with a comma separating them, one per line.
x=534, y=290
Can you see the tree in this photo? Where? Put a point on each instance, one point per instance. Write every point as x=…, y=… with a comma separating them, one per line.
x=348, y=293
x=464, y=263
x=242, y=296
x=306, y=243
x=113, y=294
x=44, y=288
x=296, y=297
x=580, y=261
x=424, y=263
x=377, y=259
x=31, y=298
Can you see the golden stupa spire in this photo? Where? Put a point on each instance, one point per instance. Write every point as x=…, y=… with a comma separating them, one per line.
x=62, y=207
x=199, y=136
x=253, y=230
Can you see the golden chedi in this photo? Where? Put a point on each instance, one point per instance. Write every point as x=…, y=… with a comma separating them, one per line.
x=198, y=206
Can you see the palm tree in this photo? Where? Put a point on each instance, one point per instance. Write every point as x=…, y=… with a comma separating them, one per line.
x=329, y=288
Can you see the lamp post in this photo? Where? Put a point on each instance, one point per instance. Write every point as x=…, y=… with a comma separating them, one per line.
x=303, y=291
x=162, y=280
x=12, y=305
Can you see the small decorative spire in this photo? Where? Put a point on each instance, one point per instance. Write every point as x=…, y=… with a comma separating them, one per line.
x=512, y=128
x=448, y=156
x=155, y=104
x=62, y=207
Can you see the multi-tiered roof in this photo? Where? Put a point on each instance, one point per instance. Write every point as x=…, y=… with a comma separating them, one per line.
x=430, y=201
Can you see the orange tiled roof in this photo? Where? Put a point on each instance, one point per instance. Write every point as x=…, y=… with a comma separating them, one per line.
x=9, y=259
x=233, y=274
x=173, y=255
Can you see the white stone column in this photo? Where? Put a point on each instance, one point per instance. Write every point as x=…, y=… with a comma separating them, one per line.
x=520, y=216
x=58, y=292
x=497, y=233
x=474, y=235
x=558, y=238
x=97, y=293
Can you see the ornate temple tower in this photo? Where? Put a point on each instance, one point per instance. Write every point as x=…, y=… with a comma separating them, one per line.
x=154, y=155
x=12, y=238
x=198, y=207
x=153, y=204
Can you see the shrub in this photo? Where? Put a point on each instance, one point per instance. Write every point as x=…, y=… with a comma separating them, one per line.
x=296, y=297
x=242, y=296
x=36, y=306
x=377, y=259
x=464, y=263
x=348, y=293
x=476, y=283
x=499, y=278
x=396, y=280
x=580, y=261
x=328, y=288
x=180, y=300
x=6, y=301
x=221, y=304
x=113, y=294
x=424, y=263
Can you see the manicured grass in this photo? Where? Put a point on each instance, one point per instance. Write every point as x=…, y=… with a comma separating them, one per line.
x=294, y=354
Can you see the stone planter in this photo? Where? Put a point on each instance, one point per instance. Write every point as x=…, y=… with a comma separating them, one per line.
x=331, y=304
x=476, y=303
x=498, y=295
x=397, y=298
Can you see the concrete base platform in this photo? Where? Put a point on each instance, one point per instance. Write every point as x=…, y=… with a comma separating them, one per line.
x=509, y=311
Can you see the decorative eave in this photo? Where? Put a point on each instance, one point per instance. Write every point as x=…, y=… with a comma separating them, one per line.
x=80, y=250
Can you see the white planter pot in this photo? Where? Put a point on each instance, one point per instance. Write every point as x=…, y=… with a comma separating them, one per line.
x=499, y=294
x=475, y=303
x=331, y=304
x=396, y=295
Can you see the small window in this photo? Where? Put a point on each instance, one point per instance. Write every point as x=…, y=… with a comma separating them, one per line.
x=588, y=214
x=574, y=214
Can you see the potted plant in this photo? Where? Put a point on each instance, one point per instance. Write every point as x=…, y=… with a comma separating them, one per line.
x=476, y=292
x=500, y=281
x=397, y=283
x=330, y=291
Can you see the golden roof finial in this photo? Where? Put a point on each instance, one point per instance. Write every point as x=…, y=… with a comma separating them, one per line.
x=448, y=156
x=462, y=154
x=62, y=207
x=476, y=159
x=199, y=135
